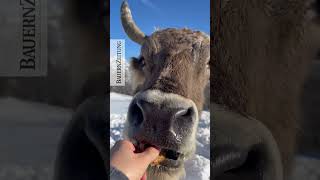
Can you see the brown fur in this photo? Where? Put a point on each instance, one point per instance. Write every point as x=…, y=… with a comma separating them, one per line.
x=261, y=54
x=174, y=61
x=171, y=66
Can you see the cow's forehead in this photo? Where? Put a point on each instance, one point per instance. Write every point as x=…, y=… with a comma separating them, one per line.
x=179, y=36
x=175, y=39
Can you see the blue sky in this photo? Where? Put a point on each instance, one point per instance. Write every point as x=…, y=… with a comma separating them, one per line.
x=150, y=14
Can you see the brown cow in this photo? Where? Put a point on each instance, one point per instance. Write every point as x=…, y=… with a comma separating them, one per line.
x=169, y=78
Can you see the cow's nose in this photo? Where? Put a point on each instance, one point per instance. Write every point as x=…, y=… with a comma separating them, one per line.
x=162, y=114
x=160, y=117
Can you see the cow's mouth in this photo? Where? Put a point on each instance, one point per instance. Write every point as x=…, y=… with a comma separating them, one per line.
x=169, y=158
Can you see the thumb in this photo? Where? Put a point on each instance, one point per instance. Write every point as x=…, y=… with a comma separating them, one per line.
x=149, y=155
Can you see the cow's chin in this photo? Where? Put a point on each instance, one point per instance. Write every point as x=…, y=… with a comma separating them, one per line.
x=169, y=159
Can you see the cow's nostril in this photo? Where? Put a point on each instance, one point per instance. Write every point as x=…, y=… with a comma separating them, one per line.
x=136, y=114
x=189, y=112
x=184, y=113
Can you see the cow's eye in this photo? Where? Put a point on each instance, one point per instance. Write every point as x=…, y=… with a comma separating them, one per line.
x=142, y=61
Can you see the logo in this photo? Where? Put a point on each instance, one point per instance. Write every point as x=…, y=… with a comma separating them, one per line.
x=117, y=62
x=24, y=38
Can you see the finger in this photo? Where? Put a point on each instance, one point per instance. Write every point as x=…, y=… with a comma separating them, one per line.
x=150, y=154
x=127, y=144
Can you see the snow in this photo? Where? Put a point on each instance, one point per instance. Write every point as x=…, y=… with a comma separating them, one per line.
x=119, y=103
x=198, y=167
x=13, y=110
x=306, y=168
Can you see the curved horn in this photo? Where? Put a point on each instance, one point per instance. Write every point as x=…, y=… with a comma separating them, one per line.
x=129, y=26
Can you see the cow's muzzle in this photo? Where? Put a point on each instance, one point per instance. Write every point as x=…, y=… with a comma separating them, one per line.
x=165, y=120
x=243, y=148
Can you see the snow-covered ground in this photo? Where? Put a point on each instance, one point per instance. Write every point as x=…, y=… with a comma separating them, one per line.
x=29, y=134
x=197, y=167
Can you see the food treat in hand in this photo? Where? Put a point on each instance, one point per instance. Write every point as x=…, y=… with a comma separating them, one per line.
x=159, y=159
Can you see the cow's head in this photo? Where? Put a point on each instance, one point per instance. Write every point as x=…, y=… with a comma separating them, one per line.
x=169, y=78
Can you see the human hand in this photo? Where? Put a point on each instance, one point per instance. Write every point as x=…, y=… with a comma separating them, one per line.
x=133, y=165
